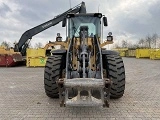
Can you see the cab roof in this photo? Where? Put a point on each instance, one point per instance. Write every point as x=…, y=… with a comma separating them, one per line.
x=70, y=15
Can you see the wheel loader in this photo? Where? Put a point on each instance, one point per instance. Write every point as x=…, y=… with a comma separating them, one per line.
x=83, y=73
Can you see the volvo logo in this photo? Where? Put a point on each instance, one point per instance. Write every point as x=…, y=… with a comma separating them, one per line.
x=46, y=25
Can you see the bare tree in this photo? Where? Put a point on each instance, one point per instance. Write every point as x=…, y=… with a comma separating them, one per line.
x=38, y=45
x=130, y=44
x=136, y=46
x=154, y=40
x=30, y=45
x=141, y=42
x=116, y=46
x=124, y=44
x=158, y=43
x=5, y=44
x=148, y=41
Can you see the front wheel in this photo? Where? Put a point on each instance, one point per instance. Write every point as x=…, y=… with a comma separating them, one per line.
x=116, y=72
x=52, y=73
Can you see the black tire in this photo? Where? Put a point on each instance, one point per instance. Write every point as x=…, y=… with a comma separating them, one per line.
x=116, y=72
x=52, y=72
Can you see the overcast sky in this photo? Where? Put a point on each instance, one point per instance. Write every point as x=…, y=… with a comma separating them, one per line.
x=127, y=19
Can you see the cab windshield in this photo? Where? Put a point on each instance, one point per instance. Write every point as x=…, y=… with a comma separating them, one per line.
x=93, y=23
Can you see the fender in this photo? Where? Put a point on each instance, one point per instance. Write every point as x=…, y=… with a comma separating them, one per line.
x=109, y=52
x=59, y=52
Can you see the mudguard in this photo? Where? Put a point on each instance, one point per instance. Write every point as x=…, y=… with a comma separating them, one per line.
x=59, y=52
x=109, y=52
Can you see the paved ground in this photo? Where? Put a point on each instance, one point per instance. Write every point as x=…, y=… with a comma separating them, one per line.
x=22, y=96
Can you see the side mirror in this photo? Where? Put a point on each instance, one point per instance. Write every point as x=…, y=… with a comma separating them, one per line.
x=64, y=22
x=105, y=22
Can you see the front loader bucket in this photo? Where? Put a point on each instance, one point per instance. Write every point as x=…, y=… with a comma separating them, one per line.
x=86, y=95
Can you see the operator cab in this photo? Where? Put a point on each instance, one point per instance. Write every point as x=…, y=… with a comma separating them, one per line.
x=90, y=22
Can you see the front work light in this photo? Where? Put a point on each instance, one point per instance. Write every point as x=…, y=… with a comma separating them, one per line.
x=110, y=37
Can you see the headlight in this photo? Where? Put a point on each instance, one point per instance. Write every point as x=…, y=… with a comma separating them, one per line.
x=109, y=38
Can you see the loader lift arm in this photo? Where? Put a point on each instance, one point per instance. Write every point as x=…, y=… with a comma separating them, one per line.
x=26, y=36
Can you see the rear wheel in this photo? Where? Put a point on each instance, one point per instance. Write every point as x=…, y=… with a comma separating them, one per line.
x=116, y=72
x=52, y=73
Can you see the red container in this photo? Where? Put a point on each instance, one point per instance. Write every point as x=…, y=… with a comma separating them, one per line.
x=10, y=60
x=2, y=60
